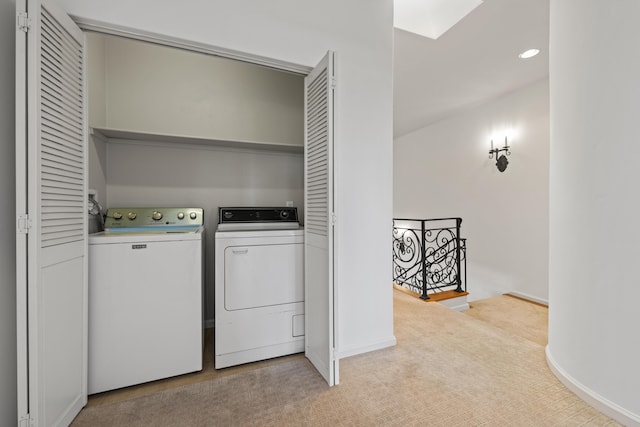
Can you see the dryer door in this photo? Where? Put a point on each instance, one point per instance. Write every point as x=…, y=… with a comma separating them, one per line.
x=263, y=275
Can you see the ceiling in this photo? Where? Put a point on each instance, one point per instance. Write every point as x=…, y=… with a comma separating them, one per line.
x=472, y=63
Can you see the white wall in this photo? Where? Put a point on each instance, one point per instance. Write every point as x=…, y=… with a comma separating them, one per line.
x=301, y=32
x=96, y=53
x=168, y=174
x=594, y=344
x=443, y=170
x=8, y=409
x=165, y=90
x=96, y=80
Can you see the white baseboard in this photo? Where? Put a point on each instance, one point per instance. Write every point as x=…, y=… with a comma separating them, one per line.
x=600, y=403
x=456, y=304
x=367, y=348
x=529, y=297
x=457, y=307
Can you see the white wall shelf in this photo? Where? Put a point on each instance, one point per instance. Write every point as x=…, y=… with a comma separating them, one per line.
x=130, y=135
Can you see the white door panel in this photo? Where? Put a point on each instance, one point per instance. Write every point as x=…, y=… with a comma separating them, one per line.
x=61, y=305
x=51, y=215
x=318, y=162
x=319, y=348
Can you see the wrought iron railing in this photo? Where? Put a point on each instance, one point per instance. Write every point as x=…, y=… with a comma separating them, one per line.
x=429, y=255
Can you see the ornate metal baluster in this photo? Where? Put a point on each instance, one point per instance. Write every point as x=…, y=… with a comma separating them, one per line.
x=432, y=261
x=423, y=262
x=459, y=280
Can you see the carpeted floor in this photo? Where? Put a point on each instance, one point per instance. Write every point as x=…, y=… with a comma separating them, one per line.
x=514, y=315
x=448, y=369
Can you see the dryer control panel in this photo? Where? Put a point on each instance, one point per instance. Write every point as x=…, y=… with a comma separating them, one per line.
x=252, y=218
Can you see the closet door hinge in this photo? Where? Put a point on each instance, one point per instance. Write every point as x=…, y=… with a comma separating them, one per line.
x=24, y=21
x=333, y=219
x=333, y=82
x=26, y=421
x=24, y=224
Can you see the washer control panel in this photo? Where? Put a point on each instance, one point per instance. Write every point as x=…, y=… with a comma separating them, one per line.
x=121, y=218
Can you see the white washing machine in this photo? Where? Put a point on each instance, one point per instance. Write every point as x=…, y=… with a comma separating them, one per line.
x=259, y=285
x=145, y=296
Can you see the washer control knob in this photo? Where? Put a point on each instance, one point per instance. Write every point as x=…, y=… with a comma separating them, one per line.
x=156, y=215
x=117, y=215
x=132, y=215
x=193, y=215
x=284, y=214
x=180, y=215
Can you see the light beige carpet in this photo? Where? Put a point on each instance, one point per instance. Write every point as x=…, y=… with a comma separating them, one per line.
x=516, y=316
x=448, y=369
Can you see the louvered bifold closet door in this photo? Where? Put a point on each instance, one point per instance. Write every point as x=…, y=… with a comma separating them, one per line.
x=57, y=211
x=61, y=136
x=317, y=155
x=319, y=295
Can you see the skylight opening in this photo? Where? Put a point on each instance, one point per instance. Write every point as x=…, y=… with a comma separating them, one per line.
x=431, y=18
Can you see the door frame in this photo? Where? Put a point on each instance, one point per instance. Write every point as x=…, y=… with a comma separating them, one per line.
x=22, y=323
x=189, y=45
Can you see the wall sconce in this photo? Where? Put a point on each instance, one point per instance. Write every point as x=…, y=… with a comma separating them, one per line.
x=501, y=159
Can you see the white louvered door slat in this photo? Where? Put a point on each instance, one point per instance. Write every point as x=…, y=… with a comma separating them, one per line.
x=319, y=296
x=59, y=157
x=55, y=122
x=62, y=142
x=51, y=188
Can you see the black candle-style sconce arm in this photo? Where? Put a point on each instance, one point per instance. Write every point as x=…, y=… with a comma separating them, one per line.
x=501, y=159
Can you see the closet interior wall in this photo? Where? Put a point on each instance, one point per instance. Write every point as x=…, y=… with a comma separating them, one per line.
x=192, y=130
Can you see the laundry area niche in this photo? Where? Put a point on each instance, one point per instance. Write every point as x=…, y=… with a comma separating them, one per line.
x=172, y=127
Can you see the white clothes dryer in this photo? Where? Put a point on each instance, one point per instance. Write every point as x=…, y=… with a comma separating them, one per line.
x=259, y=285
x=145, y=296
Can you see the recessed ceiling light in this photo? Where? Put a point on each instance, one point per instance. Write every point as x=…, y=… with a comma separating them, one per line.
x=430, y=18
x=529, y=53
